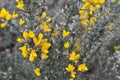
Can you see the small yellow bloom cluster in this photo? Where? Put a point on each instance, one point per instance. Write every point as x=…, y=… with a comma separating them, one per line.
x=37, y=71
x=71, y=68
x=44, y=25
x=74, y=57
x=33, y=55
x=21, y=22
x=24, y=51
x=66, y=45
x=117, y=47
x=25, y=35
x=14, y=15
x=82, y=67
x=45, y=45
x=20, y=4
x=6, y=16
x=65, y=34
x=38, y=41
x=86, y=13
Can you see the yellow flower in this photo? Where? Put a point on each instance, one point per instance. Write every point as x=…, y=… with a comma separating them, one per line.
x=20, y=5
x=70, y=68
x=44, y=56
x=37, y=71
x=82, y=67
x=74, y=57
x=31, y=34
x=40, y=36
x=24, y=51
x=31, y=58
x=45, y=27
x=33, y=52
x=3, y=13
x=20, y=40
x=45, y=46
x=2, y=25
x=73, y=74
x=83, y=14
x=25, y=54
x=35, y=40
x=25, y=34
x=21, y=22
x=65, y=33
x=33, y=55
x=102, y=1
x=38, y=40
x=8, y=17
x=44, y=14
x=14, y=15
x=49, y=20
x=66, y=44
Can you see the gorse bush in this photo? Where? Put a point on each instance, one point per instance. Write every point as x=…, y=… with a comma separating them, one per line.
x=70, y=44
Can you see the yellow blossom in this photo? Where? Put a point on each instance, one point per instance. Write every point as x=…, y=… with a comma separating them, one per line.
x=21, y=22
x=25, y=34
x=73, y=74
x=44, y=56
x=20, y=40
x=33, y=52
x=38, y=40
x=24, y=51
x=49, y=20
x=45, y=27
x=20, y=5
x=102, y=1
x=66, y=44
x=65, y=33
x=3, y=13
x=14, y=15
x=70, y=68
x=45, y=46
x=37, y=71
x=33, y=55
x=74, y=57
x=8, y=17
x=31, y=58
x=31, y=34
x=82, y=67
x=2, y=25
x=44, y=14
